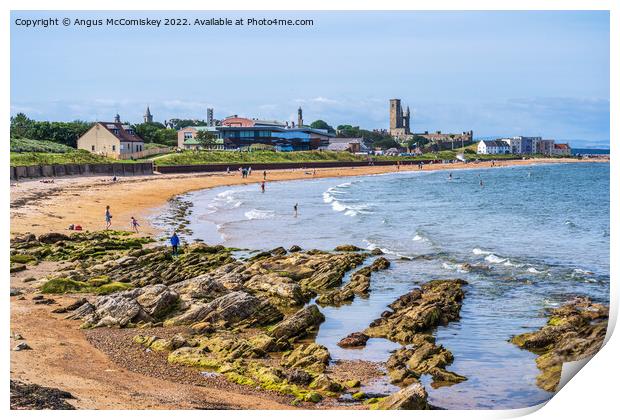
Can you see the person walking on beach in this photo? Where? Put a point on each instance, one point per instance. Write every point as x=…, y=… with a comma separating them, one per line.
x=295, y=209
x=249, y=170
x=262, y=186
x=108, y=218
x=134, y=224
x=228, y=170
x=264, y=175
x=174, y=242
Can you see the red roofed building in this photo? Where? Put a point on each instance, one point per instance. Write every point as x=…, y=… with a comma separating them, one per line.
x=561, y=149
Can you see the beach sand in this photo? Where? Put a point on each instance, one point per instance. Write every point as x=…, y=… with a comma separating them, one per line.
x=62, y=356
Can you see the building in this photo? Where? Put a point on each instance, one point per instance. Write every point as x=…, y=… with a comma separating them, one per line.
x=300, y=118
x=344, y=144
x=399, y=121
x=457, y=138
x=521, y=145
x=545, y=147
x=210, y=122
x=493, y=147
x=148, y=117
x=111, y=139
x=561, y=149
x=186, y=138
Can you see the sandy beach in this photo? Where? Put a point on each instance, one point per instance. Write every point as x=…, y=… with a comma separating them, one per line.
x=43, y=207
x=71, y=359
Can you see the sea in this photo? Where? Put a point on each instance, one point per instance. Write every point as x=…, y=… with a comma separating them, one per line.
x=538, y=234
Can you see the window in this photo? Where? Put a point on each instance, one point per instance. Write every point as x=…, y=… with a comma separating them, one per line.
x=187, y=135
x=113, y=148
x=92, y=148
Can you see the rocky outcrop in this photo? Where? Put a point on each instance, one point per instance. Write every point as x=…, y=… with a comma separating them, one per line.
x=413, y=397
x=574, y=331
x=359, y=284
x=313, y=358
x=233, y=309
x=278, y=289
x=435, y=303
x=299, y=325
x=52, y=237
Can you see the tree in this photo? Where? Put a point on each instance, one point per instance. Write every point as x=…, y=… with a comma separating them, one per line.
x=322, y=125
x=206, y=138
x=65, y=133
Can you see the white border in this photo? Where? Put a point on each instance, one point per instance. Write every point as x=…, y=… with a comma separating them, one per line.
x=591, y=394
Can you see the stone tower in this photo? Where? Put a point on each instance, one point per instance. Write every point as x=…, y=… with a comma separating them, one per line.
x=300, y=118
x=148, y=117
x=399, y=120
x=210, y=117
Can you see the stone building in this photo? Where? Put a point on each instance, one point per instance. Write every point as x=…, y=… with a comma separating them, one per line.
x=399, y=121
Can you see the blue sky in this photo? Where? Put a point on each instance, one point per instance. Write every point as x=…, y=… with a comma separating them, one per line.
x=497, y=73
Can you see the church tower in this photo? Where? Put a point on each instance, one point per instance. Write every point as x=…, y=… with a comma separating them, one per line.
x=396, y=114
x=300, y=118
x=148, y=117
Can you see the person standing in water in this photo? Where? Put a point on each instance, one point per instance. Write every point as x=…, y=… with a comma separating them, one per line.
x=450, y=176
x=174, y=242
x=108, y=218
x=262, y=186
x=295, y=209
x=134, y=224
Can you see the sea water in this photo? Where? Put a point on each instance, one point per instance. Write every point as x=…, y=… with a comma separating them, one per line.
x=541, y=232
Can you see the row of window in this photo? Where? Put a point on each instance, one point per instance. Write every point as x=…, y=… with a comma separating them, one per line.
x=138, y=148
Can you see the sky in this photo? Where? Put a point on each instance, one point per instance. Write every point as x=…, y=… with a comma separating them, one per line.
x=538, y=73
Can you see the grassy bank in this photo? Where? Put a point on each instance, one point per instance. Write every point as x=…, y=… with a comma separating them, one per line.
x=43, y=158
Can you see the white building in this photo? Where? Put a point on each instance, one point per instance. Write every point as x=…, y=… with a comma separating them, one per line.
x=493, y=147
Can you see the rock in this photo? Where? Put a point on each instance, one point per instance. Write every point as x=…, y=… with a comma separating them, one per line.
x=312, y=358
x=15, y=291
x=294, y=248
x=278, y=251
x=300, y=324
x=205, y=287
x=298, y=377
x=71, y=307
x=35, y=397
x=356, y=339
x=22, y=346
x=436, y=303
x=353, y=383
x=52, y=237
x=83, y=312
x=232, y=309
x=48, y=301
x=117, y=310
x=17, y=267
x=376, y=251
x=157, y=300
x=413, y=397
x=280, y=290
x=347, y=248
x=574, y=331
x=28, y=237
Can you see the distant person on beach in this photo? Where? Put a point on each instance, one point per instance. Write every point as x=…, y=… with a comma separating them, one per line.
x=228, y=170
x=262, y=186
x=450, y=176
x=264, y=175
x=108, y=218
x=134, y=224
x=114, y=178
x=249, y=170
x=295, y=207
x=175, y=241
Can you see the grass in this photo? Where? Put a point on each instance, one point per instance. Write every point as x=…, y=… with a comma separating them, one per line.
x=42, y=158
x=40, y=146
x=261, y=156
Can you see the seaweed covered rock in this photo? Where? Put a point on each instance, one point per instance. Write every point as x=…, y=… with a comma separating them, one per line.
x=279, y=289
x=407, y=364
x=347, y=248
x=300, y=324
x=52, y=237
x=436, y=302
x=413, y=397
x=313, y=358
x=574, y=331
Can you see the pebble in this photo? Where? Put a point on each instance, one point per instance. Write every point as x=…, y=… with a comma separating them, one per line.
x=22, y=346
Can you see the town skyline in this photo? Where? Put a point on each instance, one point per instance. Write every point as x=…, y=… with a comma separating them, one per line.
x=550, y=78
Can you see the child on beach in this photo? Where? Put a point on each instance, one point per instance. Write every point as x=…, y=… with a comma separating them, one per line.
x=174, y=242
x=134, y=224
x=108, y=218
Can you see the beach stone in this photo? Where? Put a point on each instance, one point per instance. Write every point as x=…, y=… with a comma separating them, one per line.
x=294, y=248
x=413, y=397
x=22, y=346
x=298, y=377
x=376, y=251
x=356, y=339
x=303, y=322
x=17, y=267
x=71, y=307
x=280, y=290
x=52, y=237
x=157, y=299
x=347, y=248
x=14, y=291
x=28, y=237
x=278, y=251
x=116, y=310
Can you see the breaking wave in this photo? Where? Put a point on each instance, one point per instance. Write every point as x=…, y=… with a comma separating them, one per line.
x=259, y=214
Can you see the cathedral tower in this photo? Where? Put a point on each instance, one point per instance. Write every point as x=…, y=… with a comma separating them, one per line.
x=148, y=117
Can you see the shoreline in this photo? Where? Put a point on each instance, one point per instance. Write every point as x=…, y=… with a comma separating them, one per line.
x=38, y=207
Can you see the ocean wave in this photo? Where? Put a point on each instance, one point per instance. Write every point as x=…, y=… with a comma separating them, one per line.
x=494, y=259
x=419, y=237
x=255, y=214
x=533, y=270
x=454, y=267
x=509, y=263
x=478, y=251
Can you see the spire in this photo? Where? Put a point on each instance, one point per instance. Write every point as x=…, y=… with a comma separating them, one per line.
x=148, y=117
